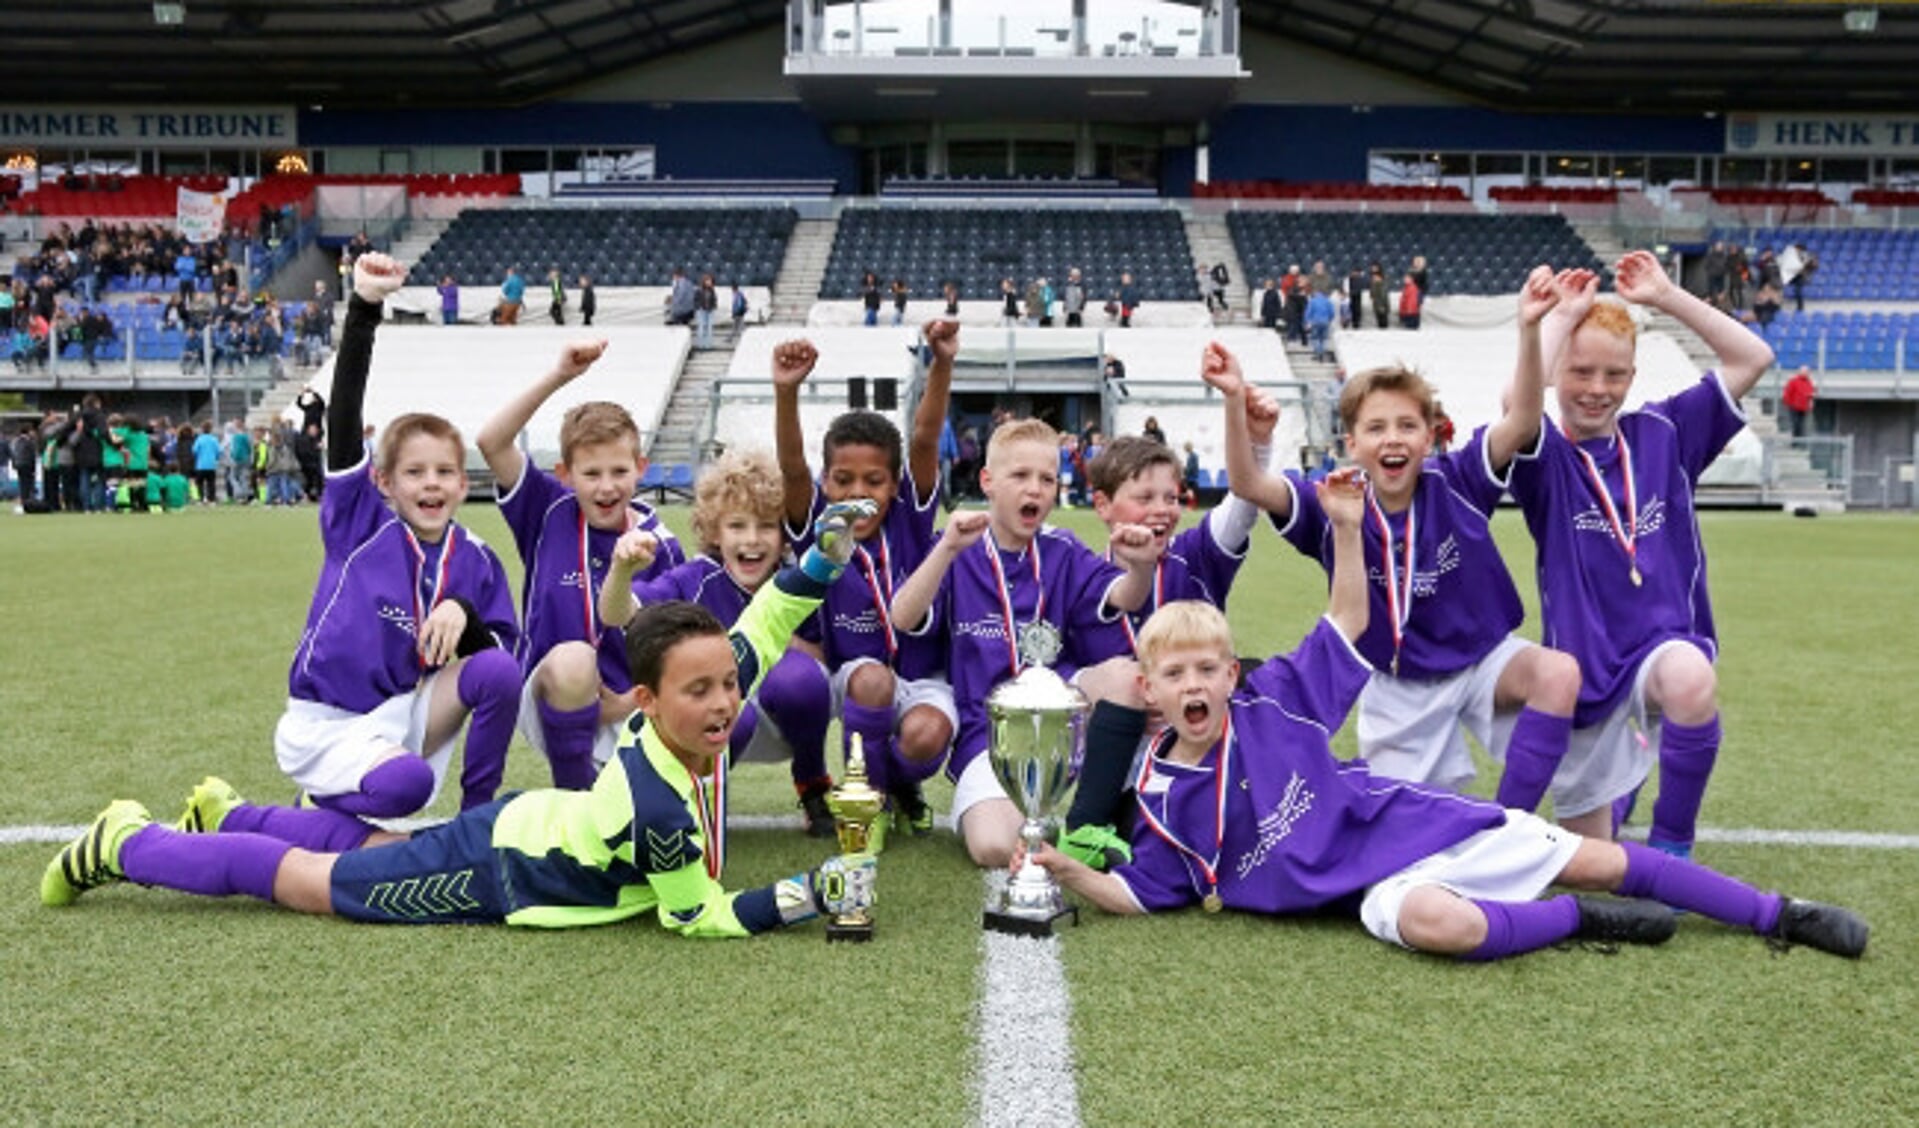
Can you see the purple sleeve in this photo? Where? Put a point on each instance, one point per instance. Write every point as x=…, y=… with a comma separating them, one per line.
x=1706, y=420
x=524, y=507
x=1306, y=528
x=495, y=604
x=1469, y=473
x=1089, y=576
x=350, y=509
x=1156, y=876
x=1527, y=478
x=923, y=515
x=802, y=538
x=1320, y=681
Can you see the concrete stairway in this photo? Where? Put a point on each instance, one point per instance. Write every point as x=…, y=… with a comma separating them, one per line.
x=1212, y=241
x=686, y=413
x=798, y=285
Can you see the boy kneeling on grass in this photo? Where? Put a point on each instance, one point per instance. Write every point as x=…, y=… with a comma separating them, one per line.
x=1242, y=805
x=645, y=837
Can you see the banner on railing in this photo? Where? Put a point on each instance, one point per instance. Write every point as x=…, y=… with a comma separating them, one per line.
x=1822, y=134
x=201, y=215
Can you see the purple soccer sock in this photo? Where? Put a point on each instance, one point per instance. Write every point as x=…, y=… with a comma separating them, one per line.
x=1532, y=756
x=797, y=697
x=875, y=729
x=1687, y=885
x=569, y=744
x=211, y=865
x=744, y=726
x=395, y=787
x=1513, y=927
x=490, y=689
x=1686, y=755
x=319, y=830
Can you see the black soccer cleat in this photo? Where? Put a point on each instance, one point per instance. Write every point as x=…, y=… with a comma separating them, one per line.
x=1624, y=920
x=819, y=817
x=910, y=810
x=1828, y=928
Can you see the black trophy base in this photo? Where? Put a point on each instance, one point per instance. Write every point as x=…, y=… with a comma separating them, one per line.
x=1019, y=924
x=849, y=933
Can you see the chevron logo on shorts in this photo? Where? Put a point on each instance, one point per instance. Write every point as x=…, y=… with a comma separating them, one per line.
x=439, y=894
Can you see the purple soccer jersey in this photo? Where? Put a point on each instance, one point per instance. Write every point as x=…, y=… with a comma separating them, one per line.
x=858, y=607
x=1590, y=605
x=377, y=584
x=1300, y=830
x=705, y=581
x=1056, y=578
x=566, y=561
x=1195, y=566
x=1462, y=602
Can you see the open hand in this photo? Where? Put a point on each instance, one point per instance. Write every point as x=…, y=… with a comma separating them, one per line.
x=1638, y=277
x=1577, y=290
x=1342, y=494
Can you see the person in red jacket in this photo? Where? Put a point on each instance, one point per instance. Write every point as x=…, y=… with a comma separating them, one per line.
x=1797, y=397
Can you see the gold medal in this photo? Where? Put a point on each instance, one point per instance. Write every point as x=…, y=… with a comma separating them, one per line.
x=1636, y=581
x=1211, y=903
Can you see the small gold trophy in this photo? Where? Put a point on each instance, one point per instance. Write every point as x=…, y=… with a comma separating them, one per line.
x=855, y=806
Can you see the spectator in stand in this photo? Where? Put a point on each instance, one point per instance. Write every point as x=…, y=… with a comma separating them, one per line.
x=1072, y=299
x=1808, y=263
x=1128, y=299
x=1009, y=303
x=307, y=448
x=186, y=271
x=1271, y=305
x=1150, y=429
x=96, y=332
x=1736, y=277
x=1410, y=296
x=951, y=293
x=680, y=295
x=449, y=292
x=312, y=407
x=1797, y=398
x=320, y=305
x=1418, y=275
x=1294, y=286
x=1035, y=302
x=1716, y=269
x=1189, y=476
x=1321, y=279
x=899, y=301
x=706, y=302
x=1355, y=297
x=737, y=306
x=870, y=298
x=589, y=301
x=1765, y=305
x=1319, y=320
x=556, y=291
x=512, y=296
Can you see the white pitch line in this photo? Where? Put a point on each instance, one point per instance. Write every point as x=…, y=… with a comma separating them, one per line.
x=1738, y=836
x=1023, y=1065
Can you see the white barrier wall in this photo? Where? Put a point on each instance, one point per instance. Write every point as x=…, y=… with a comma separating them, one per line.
x=466, y=373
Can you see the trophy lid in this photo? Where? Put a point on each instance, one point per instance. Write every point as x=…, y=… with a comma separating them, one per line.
x=1037, y=689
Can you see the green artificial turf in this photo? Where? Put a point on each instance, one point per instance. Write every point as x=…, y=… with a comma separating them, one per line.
x=142, y=652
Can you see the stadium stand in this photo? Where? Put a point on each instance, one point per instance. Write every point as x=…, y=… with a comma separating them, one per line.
x=1853, y=340
x=467, y=373
x=976, y=248
x=1855, y=263
x=1465, y=254
x=1327, y=190
x=1470, y=369
x=1087, y=187
x=619, y=247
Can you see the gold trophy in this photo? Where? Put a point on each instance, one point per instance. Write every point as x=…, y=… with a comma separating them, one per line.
x=856, y=807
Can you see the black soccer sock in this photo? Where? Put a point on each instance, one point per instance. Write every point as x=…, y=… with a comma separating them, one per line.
x=1112, y=737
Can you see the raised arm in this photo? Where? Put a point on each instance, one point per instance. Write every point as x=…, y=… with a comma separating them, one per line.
x=913, y=600
x=633, y=553
x=923, y=452
x=1247, y=476
x=1743, y=355
x=374, y=277
x=1232, y=520
x=793, y=361
x=1105, y=890
x=1525, y=407
x=1344, y=499
x=1137, y=550
x=497, y=435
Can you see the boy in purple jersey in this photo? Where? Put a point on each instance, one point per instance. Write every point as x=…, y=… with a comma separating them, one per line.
x=565, y=525
x=1444, y=609
x=1243, y=806
x=736, y=516
x=1136, y=481
x=412, y=618
x=1014, y=592
x=1622, y=571
x=889, y=685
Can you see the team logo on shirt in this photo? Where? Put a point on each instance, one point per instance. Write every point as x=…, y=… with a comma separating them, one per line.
x=867, y=622
x=1652, y=518
x=573, y=579
x=1277, y=823
x=400, y=617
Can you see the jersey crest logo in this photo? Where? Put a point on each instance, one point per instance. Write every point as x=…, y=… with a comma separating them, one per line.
x=1277, y=823
x=398, y=616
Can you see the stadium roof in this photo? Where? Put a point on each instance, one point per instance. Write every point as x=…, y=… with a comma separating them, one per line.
x=1534, y=54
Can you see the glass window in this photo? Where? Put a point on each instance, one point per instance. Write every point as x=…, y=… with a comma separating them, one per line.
x=1902, y=172
x=1801, y=170
x=1844, y=170
x=1499, y=164
x=1128, y=164
x=1736, y=171
x=522, y=160
x=977, y=158
x=1402, y=168
x=1628, y=172
x=1043, y=158
x=1570, y=169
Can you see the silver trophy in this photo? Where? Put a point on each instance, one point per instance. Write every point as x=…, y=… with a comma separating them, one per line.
x=1038, y=724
